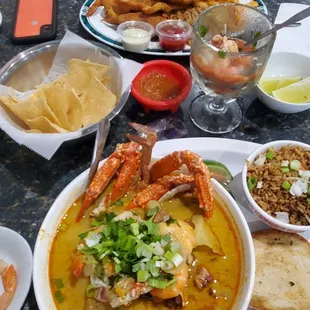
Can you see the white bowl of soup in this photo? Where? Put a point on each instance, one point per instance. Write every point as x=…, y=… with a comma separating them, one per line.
x=232, y=269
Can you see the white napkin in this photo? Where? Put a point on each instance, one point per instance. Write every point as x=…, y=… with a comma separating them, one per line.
x=292, y=39
x=46, y=144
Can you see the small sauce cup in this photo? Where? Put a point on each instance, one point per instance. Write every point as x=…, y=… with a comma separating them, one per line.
x=135, y=35
x=173, y=34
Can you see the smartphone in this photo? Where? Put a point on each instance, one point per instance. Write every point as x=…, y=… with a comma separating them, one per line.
x=35, y=21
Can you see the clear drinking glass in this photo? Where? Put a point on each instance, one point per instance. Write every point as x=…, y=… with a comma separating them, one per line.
x=225, y=75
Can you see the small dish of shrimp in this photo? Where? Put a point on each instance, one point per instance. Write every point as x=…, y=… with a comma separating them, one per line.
x=15, y=269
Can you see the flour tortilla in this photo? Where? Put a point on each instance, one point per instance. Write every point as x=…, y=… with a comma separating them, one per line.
x=282, y=280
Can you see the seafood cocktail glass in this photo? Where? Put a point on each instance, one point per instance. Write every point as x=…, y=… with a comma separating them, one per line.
x=220, y=65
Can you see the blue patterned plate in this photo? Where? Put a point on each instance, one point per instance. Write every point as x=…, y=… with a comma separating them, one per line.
x=107, y=34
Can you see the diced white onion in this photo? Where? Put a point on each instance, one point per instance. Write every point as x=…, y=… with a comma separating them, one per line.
x=303, y=184
x=295, y=190
x=282, y=217
x=159, y=263
x=259, y=184
x=96, y=282
x=260, y=160
x=305, y=174
x=2, y=290
x=285, y=163
x=92, y=239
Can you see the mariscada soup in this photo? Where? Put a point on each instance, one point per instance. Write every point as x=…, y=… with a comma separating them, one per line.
x=199, y=261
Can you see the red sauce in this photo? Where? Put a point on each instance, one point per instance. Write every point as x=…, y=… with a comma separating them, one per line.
x=173, y=44
x=158, y=86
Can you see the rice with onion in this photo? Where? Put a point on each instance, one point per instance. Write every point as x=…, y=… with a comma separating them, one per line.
x=269, y=194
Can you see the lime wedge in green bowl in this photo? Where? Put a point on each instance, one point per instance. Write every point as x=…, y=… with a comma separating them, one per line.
x=219, y=171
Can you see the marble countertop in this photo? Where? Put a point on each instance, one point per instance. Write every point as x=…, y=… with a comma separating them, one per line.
x=29, y=184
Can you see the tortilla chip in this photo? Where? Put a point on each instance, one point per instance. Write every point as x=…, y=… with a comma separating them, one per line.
x=32, y=107
x=65, y=104
x=43, y=124
x=97, y=102
x=73, y=109
x=106, y=81
x=80, y=73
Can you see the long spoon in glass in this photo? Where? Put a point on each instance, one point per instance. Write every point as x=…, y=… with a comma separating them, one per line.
x=295, y=18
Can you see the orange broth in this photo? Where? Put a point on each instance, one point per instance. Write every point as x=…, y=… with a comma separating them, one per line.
x=226, y=270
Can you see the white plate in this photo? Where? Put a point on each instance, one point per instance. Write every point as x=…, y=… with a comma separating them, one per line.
x=106, y=33
x=230, y=152
x=15, y=250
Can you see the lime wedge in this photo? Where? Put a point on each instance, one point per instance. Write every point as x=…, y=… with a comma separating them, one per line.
x=294, y=93
x=273, y=83
x=219, y=171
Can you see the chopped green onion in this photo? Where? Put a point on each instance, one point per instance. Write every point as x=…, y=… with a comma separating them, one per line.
x=134, y=228
x=175, y=247
x=142, y=276
x=140, y=236
x=285, y=163
x=59, y=297
x=168, y=255
x=285, y=169
x=117, y=267
x=171, y=282
x=295, y=165
x=58, y=283
x=156, y=257
x=270, y=153
x=286, y=185
x=152, y=268
x=177, y=259
x=115, y=253
x=90, y=290
x=156, y=283
x=152, y=211
x=252, y=182
x=167, y=265
x=159, y=263
x=84, y=234
x=118, y=203
x=89, y=259
x=117, y=261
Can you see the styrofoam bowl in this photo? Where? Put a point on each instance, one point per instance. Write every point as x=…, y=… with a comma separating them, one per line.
x=77, y=187
x=265, y=217
x=285, y=64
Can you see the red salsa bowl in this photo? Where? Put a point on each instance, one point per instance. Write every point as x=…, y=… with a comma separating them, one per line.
x=161, y=85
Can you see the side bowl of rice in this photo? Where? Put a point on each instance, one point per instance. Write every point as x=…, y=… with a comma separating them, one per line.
x=276, y=183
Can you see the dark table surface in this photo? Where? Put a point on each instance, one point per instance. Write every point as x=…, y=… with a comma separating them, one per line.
x=29, y=184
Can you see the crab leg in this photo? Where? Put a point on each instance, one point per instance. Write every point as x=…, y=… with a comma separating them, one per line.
x=156, y=190
x=99, y=183
x=126, y=178
x=196, y=167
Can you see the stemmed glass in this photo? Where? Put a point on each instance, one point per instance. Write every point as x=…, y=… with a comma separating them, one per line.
x=224, y=75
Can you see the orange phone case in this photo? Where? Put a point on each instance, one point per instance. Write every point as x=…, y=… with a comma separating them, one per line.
x=35, y=20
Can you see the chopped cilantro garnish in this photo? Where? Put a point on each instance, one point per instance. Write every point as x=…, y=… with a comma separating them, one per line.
x=59, y=297
x=203, y=30
x=58, y=283
x=119, y=203
x=256, y=35
x=221, y=54
x=152, y=211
